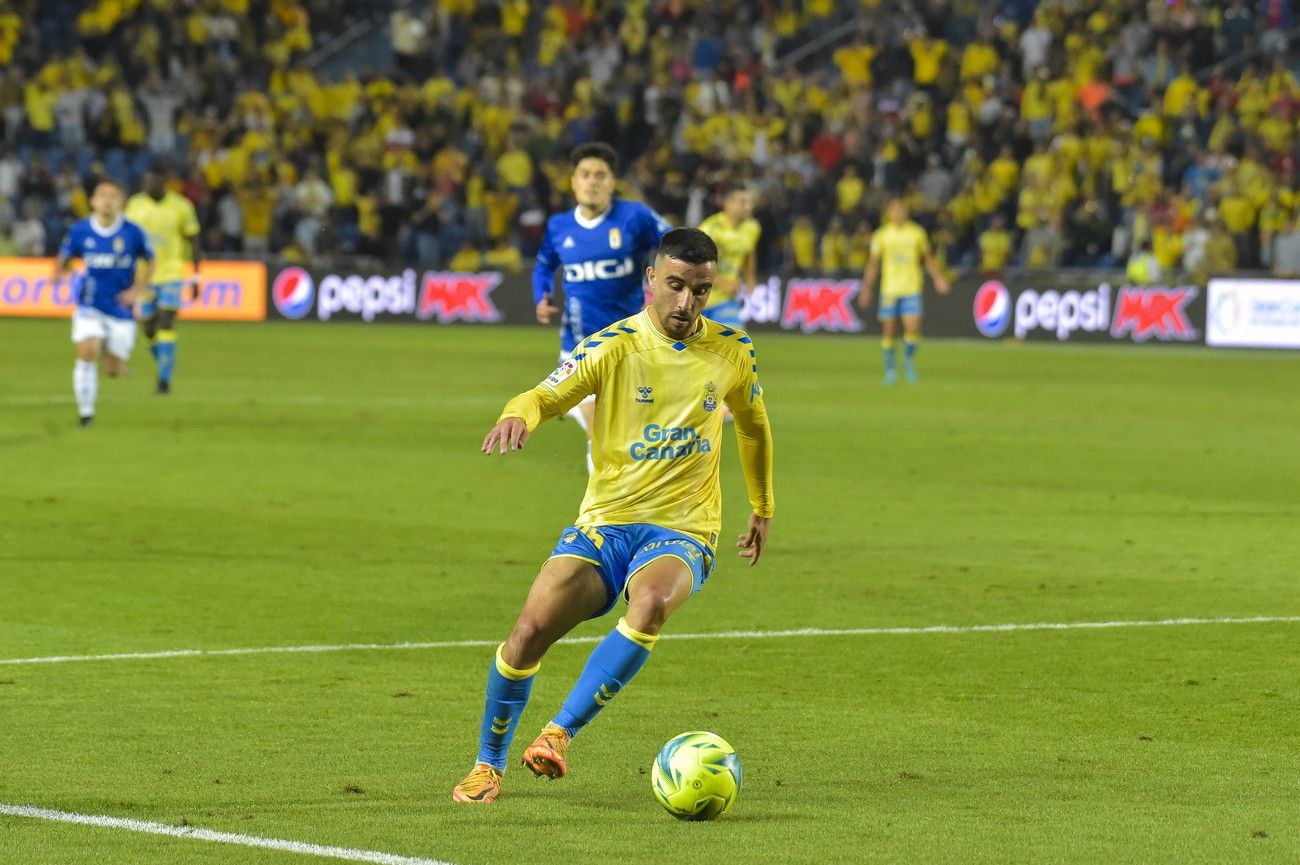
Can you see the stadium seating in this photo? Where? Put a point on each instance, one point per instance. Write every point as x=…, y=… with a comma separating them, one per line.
x=1021, y=133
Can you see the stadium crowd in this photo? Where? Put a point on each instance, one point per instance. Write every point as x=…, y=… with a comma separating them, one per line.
x=1061, y=132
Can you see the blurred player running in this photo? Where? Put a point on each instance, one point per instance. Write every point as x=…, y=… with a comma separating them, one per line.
x=904, y=247
x=172, y=225
x=602, y=246
x=736, y=233
x=650, y=519
x=118, y=262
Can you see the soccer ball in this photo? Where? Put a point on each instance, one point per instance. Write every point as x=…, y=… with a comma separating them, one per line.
x=696, y=776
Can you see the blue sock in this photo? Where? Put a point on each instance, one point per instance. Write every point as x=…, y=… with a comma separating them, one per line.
x=888, y=346
x=165, y=353
x=508, y=690
x=909, y=349
x=153, y=350
x=611, y=666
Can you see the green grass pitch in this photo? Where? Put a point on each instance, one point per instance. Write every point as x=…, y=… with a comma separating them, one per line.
x=311, y=484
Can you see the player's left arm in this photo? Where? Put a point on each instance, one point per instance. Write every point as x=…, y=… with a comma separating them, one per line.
x=190, y=228
x=751, y=260
x=754, y=442
x=570, y=383
x=932, y=267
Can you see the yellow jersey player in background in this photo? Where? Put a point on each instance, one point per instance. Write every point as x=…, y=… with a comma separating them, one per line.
x=650, y=519
x=168, y=218
x=903, y=247
x=736, y=232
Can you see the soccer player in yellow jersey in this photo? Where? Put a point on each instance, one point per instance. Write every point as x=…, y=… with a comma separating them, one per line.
x=649, y=522
x=168, y=218
x=903, y=247
x=736, y=233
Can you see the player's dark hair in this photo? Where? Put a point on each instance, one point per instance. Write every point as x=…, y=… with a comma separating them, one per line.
x=732, y=188
x=689, y=245
x=595, y=150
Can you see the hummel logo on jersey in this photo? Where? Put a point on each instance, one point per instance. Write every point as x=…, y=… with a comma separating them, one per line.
x=643, y=394
x=568, y=243
x=90, y=243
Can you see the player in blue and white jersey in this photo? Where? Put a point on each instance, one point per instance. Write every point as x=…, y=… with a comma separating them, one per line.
x=602, y=247
x=118, y=262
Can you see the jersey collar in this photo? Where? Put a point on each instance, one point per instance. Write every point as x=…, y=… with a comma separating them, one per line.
x=106, y=232
x=591, y=223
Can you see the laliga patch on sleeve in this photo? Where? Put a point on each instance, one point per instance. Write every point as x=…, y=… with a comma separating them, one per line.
x=562, y=372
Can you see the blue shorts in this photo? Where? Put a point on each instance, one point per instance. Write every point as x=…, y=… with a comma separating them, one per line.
x=897, y=307
x=726, y=314
x=618, y=552
x=166, y=295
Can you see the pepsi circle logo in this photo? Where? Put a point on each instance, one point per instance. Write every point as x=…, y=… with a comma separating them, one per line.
x=992, y=308
x=293, y=291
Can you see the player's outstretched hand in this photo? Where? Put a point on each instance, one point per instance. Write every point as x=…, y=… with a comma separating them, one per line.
x=129, y=297
x=864, y=299
x=508, y=435
x=753, y=540
x=545, y=310
x=942, y=285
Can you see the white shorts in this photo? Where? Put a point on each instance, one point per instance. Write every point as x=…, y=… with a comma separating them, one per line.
x=118, y=334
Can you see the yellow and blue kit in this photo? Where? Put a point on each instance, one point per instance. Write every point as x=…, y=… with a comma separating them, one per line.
x=169, y=223
x=655, y=490
x=658, y=427
x=902, y=250
x=735, y=244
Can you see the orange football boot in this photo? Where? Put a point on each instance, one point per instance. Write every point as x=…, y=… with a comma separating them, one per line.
x=546, y=755
x=480, y=786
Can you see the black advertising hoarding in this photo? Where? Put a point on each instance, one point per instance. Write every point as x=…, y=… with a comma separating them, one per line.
x=1055, y=306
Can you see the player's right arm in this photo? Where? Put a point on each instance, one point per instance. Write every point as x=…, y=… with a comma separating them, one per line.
x=869, y=276
x=68, y=250
x=572, y=382
x=548, y=261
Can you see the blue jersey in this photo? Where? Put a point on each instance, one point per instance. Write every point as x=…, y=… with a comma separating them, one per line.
x=604, y=265
x=110, y=255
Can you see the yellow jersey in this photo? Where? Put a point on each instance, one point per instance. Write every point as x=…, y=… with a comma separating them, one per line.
x=657, y=440
x=735, y=243
x=170, y=223
x=902, y=249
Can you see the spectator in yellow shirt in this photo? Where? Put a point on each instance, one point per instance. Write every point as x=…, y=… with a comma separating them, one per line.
x=803, y=245
x=995, y=247
x=835, y=247
x=849, y=190
x=927, y=59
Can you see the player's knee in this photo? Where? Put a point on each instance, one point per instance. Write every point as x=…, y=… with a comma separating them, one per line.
x=649, y=608
x=527, y=642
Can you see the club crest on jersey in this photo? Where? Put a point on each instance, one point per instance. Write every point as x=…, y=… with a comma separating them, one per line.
x=615, y=239
x=643, y=394
x=710, y=396
x=119, y=245
x=568, y=243
x=562, y=372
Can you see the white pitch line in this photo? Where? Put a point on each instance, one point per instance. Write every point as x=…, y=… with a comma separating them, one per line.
x=197, y=834
x=715, y=635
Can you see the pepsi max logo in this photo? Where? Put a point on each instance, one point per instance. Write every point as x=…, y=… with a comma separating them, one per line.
x=992, y=308
x=293, y=292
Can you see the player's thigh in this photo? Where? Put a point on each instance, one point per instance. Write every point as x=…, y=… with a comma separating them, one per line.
x=656, y=590
x=121, y=338
x=89, y=329
x=166, y=318
x=566, y=592
x=912, y=325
